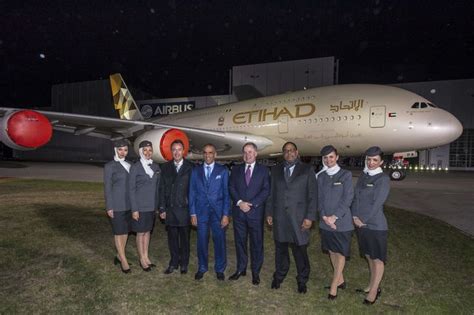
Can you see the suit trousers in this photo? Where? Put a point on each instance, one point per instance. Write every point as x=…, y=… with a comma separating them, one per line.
x=178, y=244
x=218, y=237
x=282, y=261
x=244, y=229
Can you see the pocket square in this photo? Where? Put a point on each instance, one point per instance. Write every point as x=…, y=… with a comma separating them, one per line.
x=370, y=185
x=218, y=177
x=337, y=183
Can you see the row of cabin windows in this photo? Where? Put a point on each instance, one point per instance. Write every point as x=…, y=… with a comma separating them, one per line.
x=327, y=119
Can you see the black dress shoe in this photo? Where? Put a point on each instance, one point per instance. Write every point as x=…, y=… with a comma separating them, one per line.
x=147, y=269
x=237, y=275
x=198, y=275
x=184, y=270
x=220, y=276
x=169, y=270
x=275, y=284
x=342, y=286
x=302, y=288
x=367, y=302
x=332, y=297
x=255, y=279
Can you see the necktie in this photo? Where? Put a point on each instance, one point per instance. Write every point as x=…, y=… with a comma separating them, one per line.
x=208, y=172
x=248, y=175
x=177, y=167
x=287, y=173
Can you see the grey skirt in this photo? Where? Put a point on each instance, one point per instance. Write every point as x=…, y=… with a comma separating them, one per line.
x=336, y=242
x=145, y=222
x=373, y=243
x=121, y=222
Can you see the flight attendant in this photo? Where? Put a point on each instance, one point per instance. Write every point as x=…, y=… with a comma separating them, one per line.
x=371, y=192
x=335, y=195
x=117, y=200
x=144, y=181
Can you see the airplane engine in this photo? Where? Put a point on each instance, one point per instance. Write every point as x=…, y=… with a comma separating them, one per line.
x=162, y=139
x=25, y=130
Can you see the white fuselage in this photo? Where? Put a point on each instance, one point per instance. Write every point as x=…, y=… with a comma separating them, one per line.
x=350, y=117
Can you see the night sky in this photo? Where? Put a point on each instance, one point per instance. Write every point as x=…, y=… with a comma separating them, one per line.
x=186, y=48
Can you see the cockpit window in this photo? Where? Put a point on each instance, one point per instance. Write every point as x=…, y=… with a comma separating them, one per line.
x=432, y=105
x=416, y=105
x=423, y=105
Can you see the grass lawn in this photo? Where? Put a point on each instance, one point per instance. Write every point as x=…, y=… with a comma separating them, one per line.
x=56, y=252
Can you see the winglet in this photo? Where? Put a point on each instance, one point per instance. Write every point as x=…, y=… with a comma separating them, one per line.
x=123, y=99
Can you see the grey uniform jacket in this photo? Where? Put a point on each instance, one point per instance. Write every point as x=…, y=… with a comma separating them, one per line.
x=144, y=191
x=335, y=195
x=116, y=188
x=291, y=202
x=370, y=195
x=174, y=189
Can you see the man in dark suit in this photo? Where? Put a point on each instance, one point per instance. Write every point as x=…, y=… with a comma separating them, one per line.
x=290, y=210
x=249, y=188
x=174, y=209
x=209, y=205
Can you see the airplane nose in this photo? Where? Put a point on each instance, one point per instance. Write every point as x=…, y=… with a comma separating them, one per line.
x=452, y=127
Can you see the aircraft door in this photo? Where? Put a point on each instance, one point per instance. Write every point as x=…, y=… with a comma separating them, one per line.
x=283, y=124
x=377, y=117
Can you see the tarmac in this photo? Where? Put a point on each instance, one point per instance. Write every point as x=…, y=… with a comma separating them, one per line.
x=444, y=195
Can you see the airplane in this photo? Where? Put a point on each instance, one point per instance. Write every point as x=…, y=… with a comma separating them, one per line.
x=351, y=117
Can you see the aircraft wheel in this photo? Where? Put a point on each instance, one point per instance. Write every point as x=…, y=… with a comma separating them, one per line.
x=397, y=175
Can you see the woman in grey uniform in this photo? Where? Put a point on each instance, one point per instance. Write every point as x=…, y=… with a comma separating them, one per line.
x=117, y=201
x=144, y=180
x=371, y=191
x=335, y=195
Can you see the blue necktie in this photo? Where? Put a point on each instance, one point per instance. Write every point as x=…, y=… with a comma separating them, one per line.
x=208, y=172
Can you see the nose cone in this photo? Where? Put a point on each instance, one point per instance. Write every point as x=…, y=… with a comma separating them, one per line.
x=451, y=127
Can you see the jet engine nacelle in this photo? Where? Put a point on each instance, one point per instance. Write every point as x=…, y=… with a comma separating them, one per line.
x=25, y=130
x=162, y=139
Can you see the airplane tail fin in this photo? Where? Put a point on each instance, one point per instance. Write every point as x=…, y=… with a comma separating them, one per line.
x=123, y=99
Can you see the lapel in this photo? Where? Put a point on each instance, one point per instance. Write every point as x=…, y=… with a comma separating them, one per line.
x=296, y=172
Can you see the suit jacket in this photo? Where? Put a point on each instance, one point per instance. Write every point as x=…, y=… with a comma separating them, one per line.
x=174, y=189
x=206, y=196
x=291, y=202
x=335, y=195
x=116, y=188
x=144, y=191
x=370, y=195
x=256, y=192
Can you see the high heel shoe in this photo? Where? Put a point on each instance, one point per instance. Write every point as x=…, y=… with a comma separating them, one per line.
x=147, y=269
x=332, y=297
x=342, y=286
x=118, y=262
x=367, y=302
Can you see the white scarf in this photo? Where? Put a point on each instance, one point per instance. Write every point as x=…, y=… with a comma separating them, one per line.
x=333, y=170
x=124, y=163
x=376, y=171
x=146, y=163
x=325, y=167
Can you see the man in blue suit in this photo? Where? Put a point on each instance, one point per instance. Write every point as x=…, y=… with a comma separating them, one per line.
x=209, y=206
x=249, y=188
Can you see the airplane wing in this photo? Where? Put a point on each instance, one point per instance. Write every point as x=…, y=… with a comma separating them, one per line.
x=228, y=144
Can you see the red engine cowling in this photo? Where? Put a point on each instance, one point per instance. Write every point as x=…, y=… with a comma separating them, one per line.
x=25, y=130
x=162, y=140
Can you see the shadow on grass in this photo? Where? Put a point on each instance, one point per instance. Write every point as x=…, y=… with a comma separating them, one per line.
x=88, y=226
